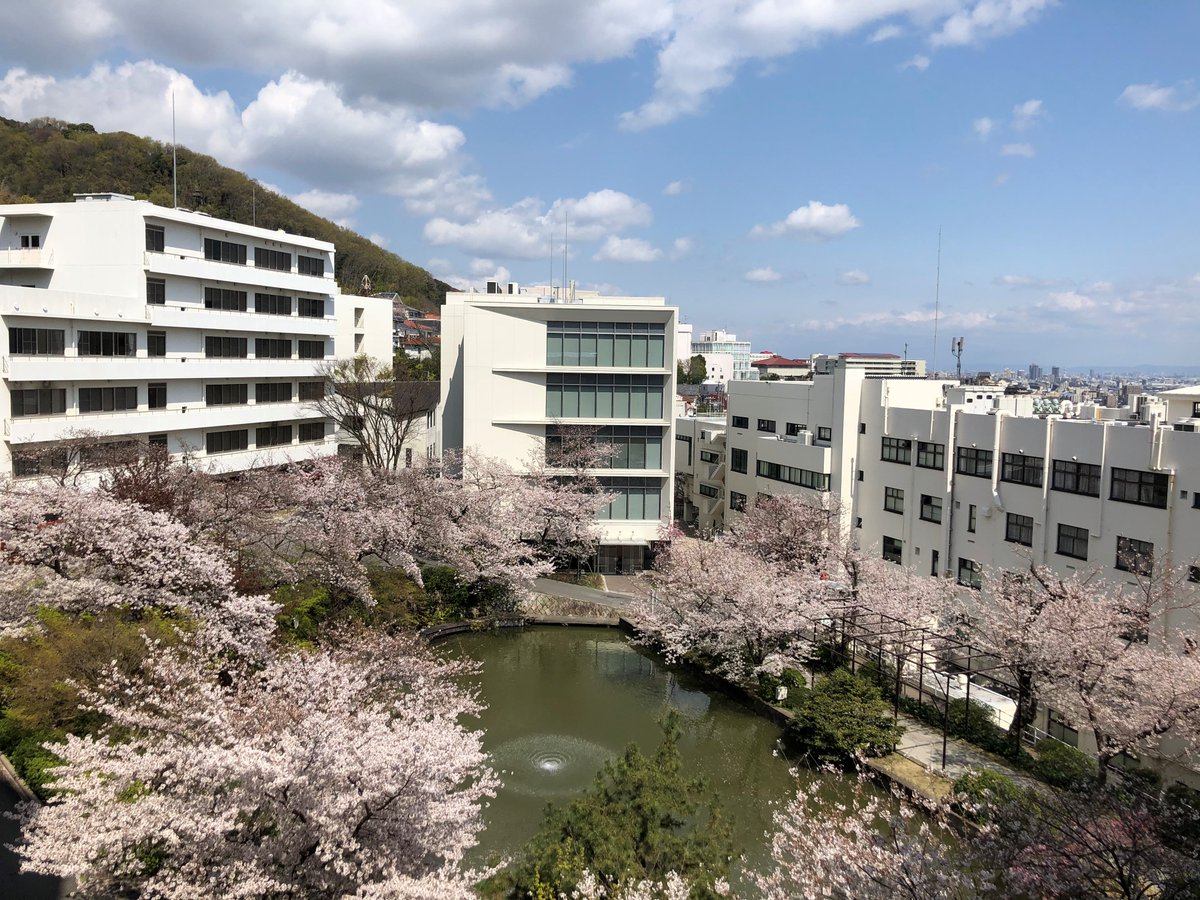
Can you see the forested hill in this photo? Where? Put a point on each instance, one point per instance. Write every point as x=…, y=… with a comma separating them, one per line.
x=49, y=161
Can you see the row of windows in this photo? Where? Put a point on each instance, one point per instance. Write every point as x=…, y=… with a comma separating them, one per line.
x=604, y=397
x=633, y=446
x=232, y=252
x=817, y=481
x=236, y=301
x=899, y=450
x=636, y=498
x=707, y=490
x=278, y=260
x=264, y=436
x=53, y=401
x=264, y=348
x=606, y=328
x=37, y=341
x=633, y=350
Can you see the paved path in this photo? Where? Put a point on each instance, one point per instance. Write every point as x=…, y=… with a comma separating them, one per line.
x=608, y=599
x=923, y=745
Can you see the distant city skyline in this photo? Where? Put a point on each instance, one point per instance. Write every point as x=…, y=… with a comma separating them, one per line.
x=779, y=170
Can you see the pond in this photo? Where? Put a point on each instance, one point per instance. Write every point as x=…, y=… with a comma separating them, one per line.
x=562, y=701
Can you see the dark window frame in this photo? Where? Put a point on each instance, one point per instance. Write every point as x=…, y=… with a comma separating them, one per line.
x=893, y=500
x=1139, y=487
x=1017, y=468
x=1072, y=541
x=1073, y=477
x=1018, y=529
x=931, y=455
x=928, y=509
x=976, y=462
x=895, y=450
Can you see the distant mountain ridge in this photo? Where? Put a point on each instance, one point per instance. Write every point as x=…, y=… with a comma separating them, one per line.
x=48, y=161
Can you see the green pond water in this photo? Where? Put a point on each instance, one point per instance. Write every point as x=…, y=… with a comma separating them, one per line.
x=562, y=701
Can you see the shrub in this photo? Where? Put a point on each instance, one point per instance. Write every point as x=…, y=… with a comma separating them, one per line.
x=844, y=715
x=1180, y=821
x=1063, y=766
x=979, y=792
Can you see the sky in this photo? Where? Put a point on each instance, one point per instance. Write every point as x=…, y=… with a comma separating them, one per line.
x=781, y=169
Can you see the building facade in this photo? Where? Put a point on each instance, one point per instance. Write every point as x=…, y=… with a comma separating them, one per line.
x=719, y=343
x=519, y=364
x=132, y=321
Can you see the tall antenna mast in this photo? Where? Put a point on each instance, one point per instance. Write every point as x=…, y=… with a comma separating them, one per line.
x=551, y=260
x=254, y=205
x=174, y=159
x=566, y=244
x=937, y=298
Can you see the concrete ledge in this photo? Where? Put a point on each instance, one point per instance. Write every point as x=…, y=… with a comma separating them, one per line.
x=434, y=632
x=9, y=775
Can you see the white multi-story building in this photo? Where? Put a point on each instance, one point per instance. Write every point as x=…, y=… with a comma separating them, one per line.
x=717, y=343
x=700, y=472
x=519, y=363
x=134, y=321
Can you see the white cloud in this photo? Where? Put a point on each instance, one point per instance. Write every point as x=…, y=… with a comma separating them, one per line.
x=378, y=239
x=1000, y=180
x=902, y=320
x=1027, y=281
x=885, y=33
x=1026, y=114
x=853, y=277
x=336, y=207
x=1025, y=150
x=984, y=19
x=920, y=62
x=983, y=127
x=617, y=249
x=1070, y=301
x=675, y=188
x=1179, y=97
x=814, y=221
x=523, y=230
x=680, y=248
x=764, y=275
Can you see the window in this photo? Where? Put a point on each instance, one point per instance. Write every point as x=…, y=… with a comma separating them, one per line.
x=1076, y=477
x=310, y=265
x=686, y=439
x=226, y=441
x=1135, y=556
x=972, y=518
x=630, y=446
x=817, y=481
x=311, y=431
x=279, y=260
x=225, y=251
x=824, y=433
x=738, y=501
x=893, y=500
x=931, y=508
x=224, y=298
x=1017, y=468
x=156, y=440
x=709, y=457
x=107, y=343
x=741, y=422
x=272, y=305
x=974, y=462
x=1072, y=541
x=892, y=549
x=708, y=490
x=156, y=395
x=862, y=476
x=620, y=344
x=272, y=348
x=766, y=425
x=39, y=402
x=156, y=238
x=156, y=343
x=311, y=349
x=862, y=427
x=1196, y=409
x=1143, y=488
x=636, y=498
x=225, y=347
x=31, y=241
x=1193, y=574
x=37, y=341
x=312, y=308
x=1019, y=530
x=897, y=450
x=272, y=435
x=794, y=429
x=273, y=392
x=931, y=456
x=312, y=390
x=1057, y=728
x=156, y=291
x=107, y=399
x=970, y=573
x=225, y=394
x=606, y=396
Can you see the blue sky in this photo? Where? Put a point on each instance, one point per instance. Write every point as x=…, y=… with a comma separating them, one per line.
x=779, y=169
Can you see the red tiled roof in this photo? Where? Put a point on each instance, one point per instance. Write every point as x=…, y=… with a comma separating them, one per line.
x=781, y=362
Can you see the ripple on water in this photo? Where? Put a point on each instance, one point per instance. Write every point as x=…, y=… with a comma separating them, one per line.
x=549, y=765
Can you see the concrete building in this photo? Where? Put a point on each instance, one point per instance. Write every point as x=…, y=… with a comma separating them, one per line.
x=138, y=322
x=722, y=342
x=780, y=367
x=700, y=472
x=520, y=363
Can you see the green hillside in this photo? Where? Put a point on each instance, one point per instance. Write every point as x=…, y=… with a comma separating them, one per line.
x=48, y=161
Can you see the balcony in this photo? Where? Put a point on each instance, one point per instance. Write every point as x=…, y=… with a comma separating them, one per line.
x=192, y=265
x=180, y=315
x=143, y=368
x=27, y=258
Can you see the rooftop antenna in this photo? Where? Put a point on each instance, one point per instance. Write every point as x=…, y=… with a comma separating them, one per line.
x=174, y=159
x=566, y=244
x=956, y=348
x=254, y=204
x=937, y=297
x=551, y=260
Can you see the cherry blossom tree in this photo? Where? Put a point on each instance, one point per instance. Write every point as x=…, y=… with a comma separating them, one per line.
x=715, y=598
x=797, y=532
x=82, y=551
x=1100, y=653
x=332, y=773
x=873, y=846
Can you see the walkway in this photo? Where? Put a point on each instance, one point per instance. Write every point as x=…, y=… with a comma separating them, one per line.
x=582, y=594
